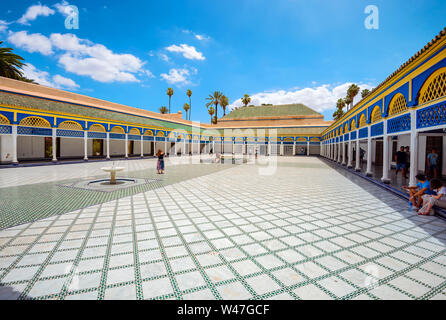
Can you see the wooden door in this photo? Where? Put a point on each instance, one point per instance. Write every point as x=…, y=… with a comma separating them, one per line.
x=379, y=153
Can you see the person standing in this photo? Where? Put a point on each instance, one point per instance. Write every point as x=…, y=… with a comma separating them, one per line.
x=401, y=161
x=406, y=149
x=160, y=164
x=432, y=163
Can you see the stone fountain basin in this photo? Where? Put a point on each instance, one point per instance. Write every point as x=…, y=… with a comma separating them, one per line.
x=112, y=171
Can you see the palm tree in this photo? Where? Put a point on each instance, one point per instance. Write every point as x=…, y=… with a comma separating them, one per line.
x=189, y=93
x=246, y=100
x=347, y=101
x=10, y=65
x=211, y=113
x=365, y=93
x=340, y=104
x=163, y=109
x=170, y=94
x=186, y=108
x=352, y=91
x=224, y=102
x=214, y=99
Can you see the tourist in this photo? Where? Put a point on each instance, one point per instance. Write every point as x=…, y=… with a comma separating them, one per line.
x=401, y=160
x=432, y=161
x=416, y=192
x=160, y=163
x=361, y=156
x=430, y=200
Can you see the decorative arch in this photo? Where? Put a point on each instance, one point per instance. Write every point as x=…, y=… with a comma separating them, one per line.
x=353, y=125
x=97, y=128
x=301, y=139
x=35, y=122
x=362, y=121
x=3, y=119
x=135, y=131
x=160, y=134
x=434, y=87
x=171, y=135
x=314, y=139
x=397, y=105
x=346, y=128
x=117, y=129
x=70, y=125
x=148, y=133
x=376, y=115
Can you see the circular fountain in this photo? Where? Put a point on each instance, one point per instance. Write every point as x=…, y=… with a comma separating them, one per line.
x=112, y=171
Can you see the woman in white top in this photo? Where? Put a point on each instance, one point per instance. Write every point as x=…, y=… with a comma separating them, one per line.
x=430, y=200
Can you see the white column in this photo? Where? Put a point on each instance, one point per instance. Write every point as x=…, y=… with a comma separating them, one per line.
x=386, y=160
x=85, y=145
x=339, y=150
x=54, y=138
x=184, y=147
x=358, y=153
x=281, y=148
x=369, y=152
x=308, y=147
x=142, y=146
x=294, y=147
x=268, y=149
x=343, y=152
x=14, y=144
x=213, y=146
x=126, y=146
x=165, y=145
x=413, y=149
x=350, y=152
x=108, y=145
x=233, y=146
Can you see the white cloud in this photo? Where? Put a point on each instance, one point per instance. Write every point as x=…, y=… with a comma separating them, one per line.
x=319, y=98
x=3, y=25
x=201, y=37
x=64, y=8
x=189, y=52
x=33, y=12
x=34, y=42
x=83, y=57
x=164, y=57
x=176, y=76
x=44, y=78
x=64, y=82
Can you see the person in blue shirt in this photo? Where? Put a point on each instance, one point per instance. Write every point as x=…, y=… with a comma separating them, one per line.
x=416, y=192
x=432, y=163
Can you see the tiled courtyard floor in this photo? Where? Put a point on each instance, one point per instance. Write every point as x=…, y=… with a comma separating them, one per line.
x=299, y=231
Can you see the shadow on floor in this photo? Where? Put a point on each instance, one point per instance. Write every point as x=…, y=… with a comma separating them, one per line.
x=397, y=202
x=9, y=293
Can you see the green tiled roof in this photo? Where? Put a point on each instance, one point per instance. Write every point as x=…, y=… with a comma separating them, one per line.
x=271, y=111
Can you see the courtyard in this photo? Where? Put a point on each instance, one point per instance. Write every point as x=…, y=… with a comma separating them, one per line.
x=276, y=228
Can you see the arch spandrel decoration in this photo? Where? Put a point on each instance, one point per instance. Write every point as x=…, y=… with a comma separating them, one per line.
x=3, y=120
x=160, y=134
x=353, y=125
x=148, y=133
x=434, y=88
x=134, y=131
x=35, y=122
x=346, y=128
x=117, y=129
x=376, y=115
x=362, y=121
x=301, y=140
x=97, y=128
x=70, y=125
x=397, y=105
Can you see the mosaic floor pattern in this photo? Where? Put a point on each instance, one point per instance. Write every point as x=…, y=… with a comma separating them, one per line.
x=304, y=231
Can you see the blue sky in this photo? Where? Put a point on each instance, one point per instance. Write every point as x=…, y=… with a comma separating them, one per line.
x=277, y=51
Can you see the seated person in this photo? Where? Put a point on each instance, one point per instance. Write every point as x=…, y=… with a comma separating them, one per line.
x=430, y=200
x=416, y=192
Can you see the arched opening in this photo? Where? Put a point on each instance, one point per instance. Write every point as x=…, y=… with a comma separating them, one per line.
x=397, y=105
x=34, y=140
x=434, y=88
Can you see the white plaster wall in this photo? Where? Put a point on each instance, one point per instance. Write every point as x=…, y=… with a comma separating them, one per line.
x=30, y=147
x=421, y=153
x=117, y=147
x=5, y=148
x=314, y=150
x=71, y=147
